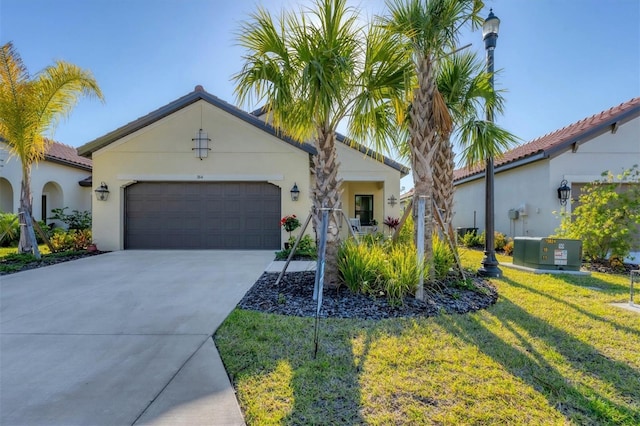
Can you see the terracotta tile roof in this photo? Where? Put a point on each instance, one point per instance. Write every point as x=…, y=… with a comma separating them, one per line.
x=408, y=194
x=68, y=155
x=561, y=140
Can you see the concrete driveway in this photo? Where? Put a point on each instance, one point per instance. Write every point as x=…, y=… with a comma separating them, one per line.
x=122, y=338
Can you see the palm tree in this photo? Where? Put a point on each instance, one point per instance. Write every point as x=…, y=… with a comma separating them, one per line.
x=313, y=70
x=466, y=87
x=430, y=28
x=32, y=106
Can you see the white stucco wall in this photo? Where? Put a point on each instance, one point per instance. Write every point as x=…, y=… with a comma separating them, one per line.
x=240, y=151
x=62, y=190
x=534, y=186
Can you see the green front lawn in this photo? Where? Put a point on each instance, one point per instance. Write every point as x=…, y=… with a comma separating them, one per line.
x=551, y=351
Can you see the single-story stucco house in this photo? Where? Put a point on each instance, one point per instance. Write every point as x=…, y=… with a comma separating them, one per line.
x=62, y=179
x=199, y=173
x=527, y=178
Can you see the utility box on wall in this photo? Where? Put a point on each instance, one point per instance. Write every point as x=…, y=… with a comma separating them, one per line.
x=547, y=253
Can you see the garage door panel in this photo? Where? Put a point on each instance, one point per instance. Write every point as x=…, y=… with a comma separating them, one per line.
x=202, y=215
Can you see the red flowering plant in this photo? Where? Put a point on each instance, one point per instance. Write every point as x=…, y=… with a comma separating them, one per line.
x=392, y=222
x=290, y=223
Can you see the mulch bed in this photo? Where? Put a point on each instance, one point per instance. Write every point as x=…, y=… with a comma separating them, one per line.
x=294, y=296
x=11, y=266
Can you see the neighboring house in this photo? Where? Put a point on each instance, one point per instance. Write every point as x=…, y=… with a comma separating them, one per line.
x=201, y=173
x=62, y=179
x=405, y=198
x=527, y=177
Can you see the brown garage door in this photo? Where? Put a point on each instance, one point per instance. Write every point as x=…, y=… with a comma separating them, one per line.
x=202, y=215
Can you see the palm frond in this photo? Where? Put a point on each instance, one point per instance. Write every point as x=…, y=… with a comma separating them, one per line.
x=484, y=139
x=57, y=90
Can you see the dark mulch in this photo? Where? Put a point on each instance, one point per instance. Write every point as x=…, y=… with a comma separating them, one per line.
x=294, y=296
x=607, y=267
x=16, y=263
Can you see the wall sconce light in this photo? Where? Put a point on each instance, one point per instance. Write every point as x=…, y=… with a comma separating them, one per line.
x=102, y=192
x=201, y=142
x=295, y=192
x=564, y=192
x=392, y=201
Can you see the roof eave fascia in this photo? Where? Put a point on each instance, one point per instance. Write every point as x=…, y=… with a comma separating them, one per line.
x=541, y=155
x=594, y=131
x=89, y=148
x=68, y=163
x=404, y=170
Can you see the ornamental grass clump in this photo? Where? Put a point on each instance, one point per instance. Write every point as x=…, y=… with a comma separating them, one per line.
x=443, y=258
x=401, y=273
x=359, y=265
x=379, y=268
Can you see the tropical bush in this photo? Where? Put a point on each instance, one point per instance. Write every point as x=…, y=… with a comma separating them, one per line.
x=500, y=240
x=508, y=248
x=607, y=217
x=475, y=240
x=443, y=258
x=472, y=240
x=75, y=240
x=406, y=232
x=75, y=220
x=379, y=268
x=392, y=222
x=306, y=248
x=9, y=229
x=359, y=265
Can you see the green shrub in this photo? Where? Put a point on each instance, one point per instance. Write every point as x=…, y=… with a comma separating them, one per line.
x=499, y=240
x=400, y=273
x=443, y=258
x=508, y=248
x=378, y=268
x=472, y=240
x=306, y=248
x=9, y=229
x=76, y=220
x=607, y=216
x=359, y=265
x=406, y=232
x=75, y=240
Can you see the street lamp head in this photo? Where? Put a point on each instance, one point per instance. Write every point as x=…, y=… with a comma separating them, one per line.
x=490, y=30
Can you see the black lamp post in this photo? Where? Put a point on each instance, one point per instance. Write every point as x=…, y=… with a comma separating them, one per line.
x=489, y=262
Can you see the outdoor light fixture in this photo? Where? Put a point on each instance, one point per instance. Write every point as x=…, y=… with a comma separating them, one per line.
x=295, y=192
x=102, y=192
x=490, y=30
x=490, y=263
x=201, y=142
x=392, y=201
x=564, y=192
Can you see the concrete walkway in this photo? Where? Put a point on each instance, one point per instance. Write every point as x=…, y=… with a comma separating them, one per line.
x=122, y=338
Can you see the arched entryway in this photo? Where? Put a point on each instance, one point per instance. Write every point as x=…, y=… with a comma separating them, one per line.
x=52, y=198
x=6, y=196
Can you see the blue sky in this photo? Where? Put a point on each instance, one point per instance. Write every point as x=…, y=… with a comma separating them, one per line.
x=561, y=60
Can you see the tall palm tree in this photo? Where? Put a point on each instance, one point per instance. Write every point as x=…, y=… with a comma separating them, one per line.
x=430, y=28
x=31, y=107
x=466, y=87
x=314, y=69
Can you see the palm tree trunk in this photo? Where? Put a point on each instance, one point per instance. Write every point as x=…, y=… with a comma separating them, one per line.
x=423, y=145
x=443, y=164
x=27, y=243
x=326, y=192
